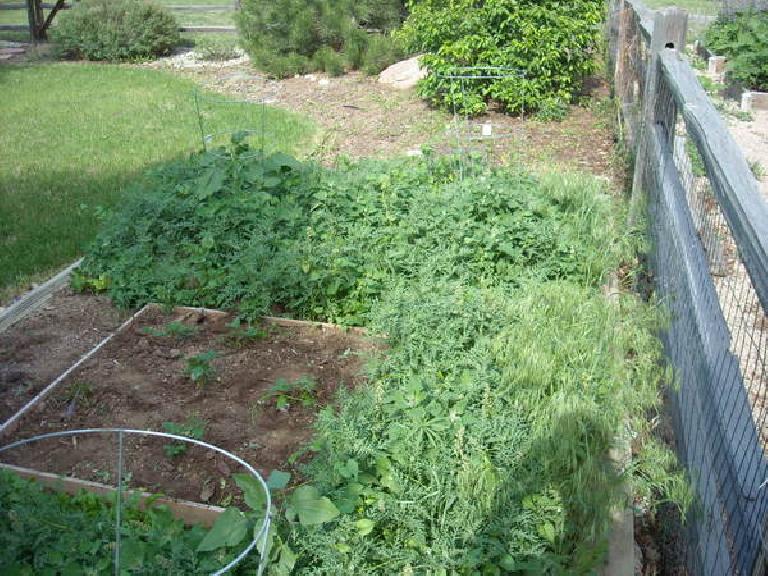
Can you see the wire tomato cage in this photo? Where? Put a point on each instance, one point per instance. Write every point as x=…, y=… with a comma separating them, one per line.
x=475, y=137
x=246, y=127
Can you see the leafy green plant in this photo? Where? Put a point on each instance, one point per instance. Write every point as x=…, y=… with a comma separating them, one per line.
x=174, y=329
x=46, y=532
x=743, y=39
x=549, y=43
x=199, y=368
x=80, y=391
x=757, y=169
x=216, y=48
x=285, y=393
x=286, y=37
x=115, y=30
x=193, y=427
x=238, y=335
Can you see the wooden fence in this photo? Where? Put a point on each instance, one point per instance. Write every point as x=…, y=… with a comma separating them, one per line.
x=708, y=225
x=39, y=23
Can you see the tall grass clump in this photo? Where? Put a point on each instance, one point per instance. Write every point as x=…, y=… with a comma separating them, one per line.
x=479, y=444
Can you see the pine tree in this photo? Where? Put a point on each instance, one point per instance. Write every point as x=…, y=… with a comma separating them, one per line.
x=285, y=37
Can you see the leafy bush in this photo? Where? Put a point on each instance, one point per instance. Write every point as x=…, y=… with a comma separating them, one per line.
x=216, y=48
x=480, y=443
x=743, y=40
x=115, y=30
x=551, y=43
x=287, y=37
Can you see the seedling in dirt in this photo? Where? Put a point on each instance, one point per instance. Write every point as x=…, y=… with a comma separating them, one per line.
x=199, y=367
x=79, y=392
x=175, y=329
x=239, y=336
x=301, y=391
x=192, y=427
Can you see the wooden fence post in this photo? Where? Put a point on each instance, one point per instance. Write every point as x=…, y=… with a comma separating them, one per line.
x=670, y=27
x=35, y=16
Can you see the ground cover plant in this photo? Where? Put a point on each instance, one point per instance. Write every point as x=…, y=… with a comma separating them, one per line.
x=74, y=136
x=549, y=45
x=743, y=39
x=287, y=37
x=480, y=443
x=43, y=532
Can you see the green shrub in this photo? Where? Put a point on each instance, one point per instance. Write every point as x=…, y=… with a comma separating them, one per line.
x=115, y=30
x=216, y=48
x=381, y=52
x=329, y=61
x=743, y=40
x=549, y=42
x=286, y=37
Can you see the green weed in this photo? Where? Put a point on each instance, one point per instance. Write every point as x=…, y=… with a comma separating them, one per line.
x=284, y=393
x=175, y=329
x=193, y=427
x=239, y=336
x=199, y=368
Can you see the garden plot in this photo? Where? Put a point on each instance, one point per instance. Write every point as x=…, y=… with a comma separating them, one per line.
x=252, y=390
x=37, y=349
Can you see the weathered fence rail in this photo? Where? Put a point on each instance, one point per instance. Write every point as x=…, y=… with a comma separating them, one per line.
x=709, y=259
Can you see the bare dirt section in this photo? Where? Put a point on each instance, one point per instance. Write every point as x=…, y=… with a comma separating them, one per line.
x=140, y=380
x=752, y=137
x=39, y=348
x=359, y=117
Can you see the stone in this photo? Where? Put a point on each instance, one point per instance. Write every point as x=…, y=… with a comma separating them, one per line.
x=717, y=65
x=404, y=74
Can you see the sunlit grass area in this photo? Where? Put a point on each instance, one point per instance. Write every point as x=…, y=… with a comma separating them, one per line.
x=74, y=135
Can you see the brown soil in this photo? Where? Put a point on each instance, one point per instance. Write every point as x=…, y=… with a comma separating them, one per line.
x=359, y=117
x=138, y=381
x=42, y=346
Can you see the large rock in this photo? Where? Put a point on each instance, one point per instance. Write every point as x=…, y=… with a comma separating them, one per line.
x=403, y=75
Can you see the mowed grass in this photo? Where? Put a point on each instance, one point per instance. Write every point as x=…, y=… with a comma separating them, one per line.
x=73, y=136
x=703, y=7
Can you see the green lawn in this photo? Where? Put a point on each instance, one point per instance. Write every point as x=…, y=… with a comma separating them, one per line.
x=74, y=135
x=705, y=7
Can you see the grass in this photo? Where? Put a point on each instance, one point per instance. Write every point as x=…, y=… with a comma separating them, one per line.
x=75, y=135
x=703, y=7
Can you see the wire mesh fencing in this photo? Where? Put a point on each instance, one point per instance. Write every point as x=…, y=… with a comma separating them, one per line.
x=731, y=7
x=709, y=259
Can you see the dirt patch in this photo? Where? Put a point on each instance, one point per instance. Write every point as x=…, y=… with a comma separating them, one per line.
x=36, y=350
x=752, y=138
x=359, y=117
x=141, y=380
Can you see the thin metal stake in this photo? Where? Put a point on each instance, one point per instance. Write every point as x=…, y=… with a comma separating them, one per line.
x=119, y=500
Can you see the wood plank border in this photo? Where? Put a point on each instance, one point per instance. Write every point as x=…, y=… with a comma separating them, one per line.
x=36, y=298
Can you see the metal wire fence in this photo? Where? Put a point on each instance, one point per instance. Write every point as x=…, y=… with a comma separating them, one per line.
x=730, y=7
x=709, y=258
